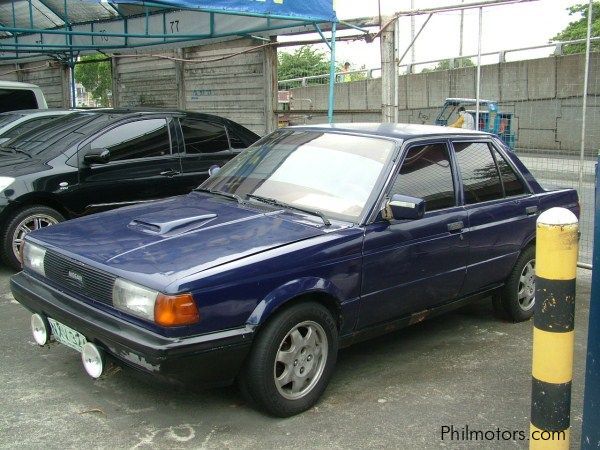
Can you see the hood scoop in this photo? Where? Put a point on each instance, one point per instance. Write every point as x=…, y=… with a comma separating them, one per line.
x=171, y=222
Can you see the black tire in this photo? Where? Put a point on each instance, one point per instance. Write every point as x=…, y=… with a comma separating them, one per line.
x=257, y=380
x=506, y=302
x=20, y=216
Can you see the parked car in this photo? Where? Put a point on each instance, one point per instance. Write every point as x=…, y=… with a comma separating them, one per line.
x=90, y=161
x=15, y=96
x=15, y=123
x=310, y=240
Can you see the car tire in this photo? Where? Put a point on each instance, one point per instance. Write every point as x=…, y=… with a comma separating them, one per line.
x=516, y=300
x=291, y=361
x=30, y=218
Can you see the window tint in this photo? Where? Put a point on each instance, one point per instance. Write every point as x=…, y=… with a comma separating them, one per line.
x=203, y=137
x=481, y=181
x=426, y=173
x=512, y=184
x=235, y=140
x=14, y=99
x=140, y=139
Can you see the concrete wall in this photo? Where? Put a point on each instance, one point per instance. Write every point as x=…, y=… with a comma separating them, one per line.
x=544, y=94
x=240, y=87
x=51, y=76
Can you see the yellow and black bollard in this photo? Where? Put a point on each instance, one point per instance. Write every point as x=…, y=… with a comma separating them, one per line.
x=557, y=239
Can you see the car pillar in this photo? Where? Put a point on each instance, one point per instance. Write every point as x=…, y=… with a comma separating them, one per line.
x=557, y=239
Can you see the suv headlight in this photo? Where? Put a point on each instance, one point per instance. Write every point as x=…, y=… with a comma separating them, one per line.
x=165, y=310
x=33, y=257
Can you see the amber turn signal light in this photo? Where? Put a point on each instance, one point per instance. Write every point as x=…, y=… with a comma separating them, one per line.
x=175, y=310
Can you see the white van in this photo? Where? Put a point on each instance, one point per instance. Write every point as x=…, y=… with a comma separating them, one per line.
x=15, y=96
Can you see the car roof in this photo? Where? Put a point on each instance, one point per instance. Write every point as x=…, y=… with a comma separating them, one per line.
x=148, y=111
x=394, y=130
x=39, y=112
x=17, y=85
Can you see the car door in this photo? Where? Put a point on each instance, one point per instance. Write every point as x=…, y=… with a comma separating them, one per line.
x=412, y=265
x=501, y=210
x=141, y=165
x=205, y=144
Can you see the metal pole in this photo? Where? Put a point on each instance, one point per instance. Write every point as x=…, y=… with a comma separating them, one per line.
x=590, y=432
x=585, y=94
x=396, y=62
x=478, y=69
x=412, y=32
x=415, y=38
x=331, y=74
x=461, y=37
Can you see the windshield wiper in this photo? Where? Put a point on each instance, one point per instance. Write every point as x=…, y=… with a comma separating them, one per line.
x=273, y=202
x=14, y=150
x=221, y=193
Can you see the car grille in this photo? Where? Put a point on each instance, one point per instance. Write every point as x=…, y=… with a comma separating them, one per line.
x=78, y=277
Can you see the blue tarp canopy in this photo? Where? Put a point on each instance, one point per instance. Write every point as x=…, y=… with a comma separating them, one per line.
x=29, y=27
x=308, y=10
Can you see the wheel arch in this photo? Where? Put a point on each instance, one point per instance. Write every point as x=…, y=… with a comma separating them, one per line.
x=34, y=199
x=307, y=289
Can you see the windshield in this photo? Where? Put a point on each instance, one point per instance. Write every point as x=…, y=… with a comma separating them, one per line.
x=7, y=118
x=327, y=172
x=57, y=135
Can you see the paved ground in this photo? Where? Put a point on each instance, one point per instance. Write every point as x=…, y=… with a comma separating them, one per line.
x=465, y=368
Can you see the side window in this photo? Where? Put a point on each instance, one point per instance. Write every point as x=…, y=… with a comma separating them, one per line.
x=139, y=139
x=512, y=184
x=14, y=99
x=479, y=173
x=426, y=173
x=235, y=140
x=203, y=137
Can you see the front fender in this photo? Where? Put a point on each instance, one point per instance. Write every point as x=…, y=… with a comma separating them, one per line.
x=289, y=291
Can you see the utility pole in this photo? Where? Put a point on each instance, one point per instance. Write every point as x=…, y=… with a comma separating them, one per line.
x=412, y=32
x=461, y=37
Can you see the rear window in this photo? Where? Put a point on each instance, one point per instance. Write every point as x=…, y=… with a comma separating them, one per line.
x=15, y=99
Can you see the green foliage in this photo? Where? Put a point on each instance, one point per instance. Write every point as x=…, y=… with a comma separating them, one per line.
x=446, y=64
x=96, y=78
x=303, y=62
x=578, y=28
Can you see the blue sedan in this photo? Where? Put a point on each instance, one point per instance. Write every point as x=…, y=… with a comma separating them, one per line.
x=310, y=240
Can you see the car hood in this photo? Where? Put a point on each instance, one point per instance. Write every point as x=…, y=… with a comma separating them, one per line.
x=176, y=237
x=14, y=165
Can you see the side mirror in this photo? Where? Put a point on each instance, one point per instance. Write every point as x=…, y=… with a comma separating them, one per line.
x=213, y=170
x=101, y=156
x=401, y=207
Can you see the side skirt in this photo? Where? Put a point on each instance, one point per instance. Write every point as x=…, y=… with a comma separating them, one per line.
x=397, y=324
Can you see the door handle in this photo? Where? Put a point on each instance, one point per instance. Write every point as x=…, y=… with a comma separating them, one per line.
x=456, y=226
x=169, y=173
x=531, y=210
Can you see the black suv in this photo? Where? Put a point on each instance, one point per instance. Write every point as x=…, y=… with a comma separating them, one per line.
x=96, y=160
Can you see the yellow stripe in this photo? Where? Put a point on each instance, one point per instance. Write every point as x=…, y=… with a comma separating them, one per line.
x=560, y=439
x=556, y=251
x=553, y=356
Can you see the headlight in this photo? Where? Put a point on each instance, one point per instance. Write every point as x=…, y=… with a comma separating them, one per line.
x=165, y=310
x=33, y=257
x=134, y=299
x=5, y=182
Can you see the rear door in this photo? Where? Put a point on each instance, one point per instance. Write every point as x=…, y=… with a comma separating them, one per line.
x=205, y=144
x=141, y=167
x=501, y=209
x=412, y=265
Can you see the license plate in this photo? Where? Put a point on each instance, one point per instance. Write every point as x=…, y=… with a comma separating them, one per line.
x=67, y=335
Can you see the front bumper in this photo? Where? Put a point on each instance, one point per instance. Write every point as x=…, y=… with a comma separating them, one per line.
x=208, y=360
